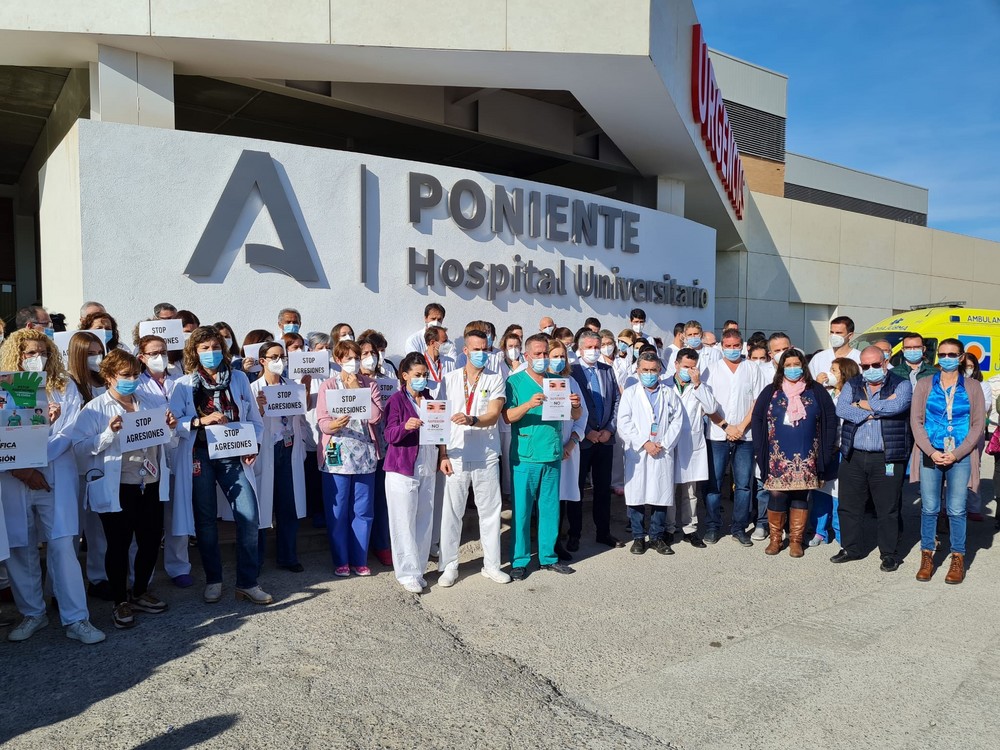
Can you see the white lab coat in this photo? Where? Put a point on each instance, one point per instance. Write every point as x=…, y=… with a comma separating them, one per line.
x=97, y=447
x=183, y=408
x=691, y=451
x=569, y=475
x=264, y=465
x=648, y=480
x=147, y=388
x=60, y=474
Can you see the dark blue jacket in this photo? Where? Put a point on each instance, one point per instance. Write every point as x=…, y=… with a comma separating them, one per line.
x=826, y=426
x=897, y=438
x=608, y=420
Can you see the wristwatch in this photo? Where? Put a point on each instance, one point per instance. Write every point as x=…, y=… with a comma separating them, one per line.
x=724, y=425
x=475, y=421
x=198, y=420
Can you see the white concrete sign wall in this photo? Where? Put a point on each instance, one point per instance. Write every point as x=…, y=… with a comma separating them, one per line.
x=235, y=229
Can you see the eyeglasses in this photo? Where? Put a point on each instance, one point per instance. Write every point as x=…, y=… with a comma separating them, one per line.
x=948, y=355
x=274, y=358
x=876, y=365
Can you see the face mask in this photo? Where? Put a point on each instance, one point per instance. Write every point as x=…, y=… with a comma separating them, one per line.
x=887, y=354
x=623, y=346
x=432, y=324
x=157, y=363
x=34, y=364
x=368, y=363
x=447, y=348
x=836, y=341
x=104, y=335
x=347, y=337
x=350, y=367
x=489, y=341
x=210, y=360
x=684, y=375
x=874, y=375
x=94, y=362
x=948, y=364
x=637, y=327
x=418, y=384
x=590, y=356
x=732, y=354
x=548, y=330
x=539, y=365
x=275, y=366
x=290, y=328
x=381, y=358
x=649, y=379
x=556, y=365
x=125, y=386
x=479, y=359
x=793, y=373
x=229, y=343
x=969, y=371
x=636, y=350
x=50, y=332
x=692, y=342
x=513, y=354
x=832, y=380
x=608, y=350
x=913, y=355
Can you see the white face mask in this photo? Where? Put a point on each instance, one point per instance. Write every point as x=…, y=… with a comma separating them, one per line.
x=157, y=363
x=832, y=380
x=229, y=343
x=94, y=362
x=347, y=337
x=590, y=356
x=637, y=327
x=548, y=330
x=275, y=366
x=836, y=341
x=608, y=350
x=513, y=353
x=433, y=323
x=969, y=371
x=350, y=367
x=447, y=349
x=34, y=364
x=368, y=363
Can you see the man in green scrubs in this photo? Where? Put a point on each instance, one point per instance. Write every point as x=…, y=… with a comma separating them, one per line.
x=536, y=453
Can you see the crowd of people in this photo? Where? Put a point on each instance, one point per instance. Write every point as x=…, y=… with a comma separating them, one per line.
x=802, y=443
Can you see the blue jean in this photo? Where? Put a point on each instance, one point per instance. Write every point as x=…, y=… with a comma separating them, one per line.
x=380, y=527
x=349, y=501
x=286, y=518
x=228, y=474
x=763, y=498
x=740, y=454
x=657, y=521
x=824, y=514
x=956, y=477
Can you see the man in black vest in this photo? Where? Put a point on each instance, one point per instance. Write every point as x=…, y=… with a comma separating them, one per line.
x=875, y=446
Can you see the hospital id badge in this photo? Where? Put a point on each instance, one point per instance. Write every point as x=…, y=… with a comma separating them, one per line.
x=333, y=458
x=196, y=468
x=890, y=470
x=949, y=444
x=151, y=469
x=289, y=439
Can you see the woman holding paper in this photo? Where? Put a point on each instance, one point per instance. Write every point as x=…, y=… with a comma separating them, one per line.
x=280, y=470
x=371, y=357
x=212, y=395
x=347, y=456
x=410, y=476
x=573, y=431
x=122, y=485
x=41, y=504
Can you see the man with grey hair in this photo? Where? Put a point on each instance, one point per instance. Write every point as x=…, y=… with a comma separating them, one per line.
x=91, y=307
x=164, y=311
x=34, y=316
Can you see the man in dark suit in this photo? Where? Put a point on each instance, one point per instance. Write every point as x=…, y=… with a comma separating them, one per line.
x=600, y=391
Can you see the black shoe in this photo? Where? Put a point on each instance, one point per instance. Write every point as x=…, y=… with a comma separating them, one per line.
x=573, y=544
x=638, y=546
x=101, y=590
x=610, y=541
x=294, y=567
x=662, y=547
x=518, y=574
x=743, y=539
x=562, y=554
x=889, y=564
x=842, y=557
x=711, y=537
x=694, y=541
x=559, y=568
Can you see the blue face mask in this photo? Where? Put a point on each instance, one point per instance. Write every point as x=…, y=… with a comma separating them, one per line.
x=210, y=360
x=290, y=328
x=104, y=334
x=693, y=342
x=732, y=354
x=649, y=379
x=479, y=359
x=948, y=364
x=540, y=364
x=793, y=373
x=623, y=346
x=489, y=340
x=557, y=365
x=874, y=375
x=418, y=384
x=50, y=332
x=684, y=375
x=126, y=387
x=913, y=355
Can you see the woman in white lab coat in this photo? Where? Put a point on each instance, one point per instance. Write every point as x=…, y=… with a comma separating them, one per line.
x=280, y=470
x=573, y=431
x=212, y=393
x=41, y=504
x=122, y=487
x=650, y=420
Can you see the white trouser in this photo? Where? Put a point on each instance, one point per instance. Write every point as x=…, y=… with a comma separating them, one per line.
x=175, y=548
x=410, y=501
x=684, y=509
x=505, y=466
x=483, y=480
x=438, y=506
x=618, y=464
x=97, y=546
x=25, y=570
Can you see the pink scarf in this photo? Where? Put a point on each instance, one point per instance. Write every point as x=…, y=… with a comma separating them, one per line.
x=796, y=410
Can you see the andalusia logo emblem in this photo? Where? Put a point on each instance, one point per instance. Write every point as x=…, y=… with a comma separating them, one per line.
x=979, y=346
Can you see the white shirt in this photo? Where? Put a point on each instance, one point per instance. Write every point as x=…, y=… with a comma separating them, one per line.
x=735, y=393
x=822, y=361
x=473, y=444
x=416, y=342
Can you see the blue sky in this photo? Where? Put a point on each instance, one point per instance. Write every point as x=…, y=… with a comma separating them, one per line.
x=904, y=89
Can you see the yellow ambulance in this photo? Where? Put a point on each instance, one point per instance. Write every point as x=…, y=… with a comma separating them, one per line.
x=977, y=329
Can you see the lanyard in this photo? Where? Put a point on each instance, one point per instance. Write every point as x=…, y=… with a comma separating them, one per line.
x=658, y=408
x=949, y=401
x=470, y=393
x=435, y=374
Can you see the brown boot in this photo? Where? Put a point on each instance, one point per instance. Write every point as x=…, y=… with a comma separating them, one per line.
x=956, y=573
x=776, y=527
x=797, y=518
x=926, y=565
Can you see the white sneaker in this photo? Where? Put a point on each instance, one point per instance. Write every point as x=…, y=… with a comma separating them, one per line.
x=496, y=575
x=448, y=578
x=257, y=595
x=213, y=592
x=84, y=632
x=759, y=534
x=28, y=627
x=412, y=586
